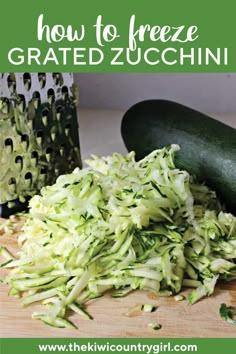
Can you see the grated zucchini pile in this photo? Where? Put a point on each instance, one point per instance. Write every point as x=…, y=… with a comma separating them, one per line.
x=123, y=225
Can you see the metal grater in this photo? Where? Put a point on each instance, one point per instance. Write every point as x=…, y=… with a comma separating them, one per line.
x=38, y=134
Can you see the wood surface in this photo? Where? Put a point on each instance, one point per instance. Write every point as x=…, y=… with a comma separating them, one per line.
x=178, y=319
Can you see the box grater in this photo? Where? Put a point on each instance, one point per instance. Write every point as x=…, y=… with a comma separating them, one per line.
x=38, y=134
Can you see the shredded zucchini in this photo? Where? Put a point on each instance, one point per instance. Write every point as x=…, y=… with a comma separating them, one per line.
x=148, y=308
x=179, y=297
x=121, y=225
x=155, y=326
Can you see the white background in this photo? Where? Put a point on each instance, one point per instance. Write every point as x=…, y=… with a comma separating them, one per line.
x=205, y=92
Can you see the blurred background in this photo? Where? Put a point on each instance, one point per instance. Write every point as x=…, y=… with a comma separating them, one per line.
x=104, y=98
x=206, y=92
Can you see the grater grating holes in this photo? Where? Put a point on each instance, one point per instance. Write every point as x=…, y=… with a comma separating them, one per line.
x=45, y=116
x=42, y=80
x=51, y=96
x=62, y=149
x=36, y=99
x=35, y=157
x=21, y=103
x=53, y=133
x=25, y=141
x=65, y=93
x=45, y=112
x=59, y=112
x=27, y=81
x=11, y=83
x=19, y=162
x=58, y=79
x=43, y=171
x=49, y=152
x=28, y=179
x=67, y=129
x=12, y=180
x=39, y=136
x=9, y=142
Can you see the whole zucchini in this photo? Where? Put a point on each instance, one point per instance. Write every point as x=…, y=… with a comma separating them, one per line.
x=208, y=147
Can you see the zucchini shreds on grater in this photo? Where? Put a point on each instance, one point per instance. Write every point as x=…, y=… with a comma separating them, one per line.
x=38, y=134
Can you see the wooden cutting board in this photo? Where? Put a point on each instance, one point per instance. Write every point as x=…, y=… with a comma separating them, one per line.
x=178, y=319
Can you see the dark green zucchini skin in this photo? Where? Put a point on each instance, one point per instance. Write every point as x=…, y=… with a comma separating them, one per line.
x=208, y=147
